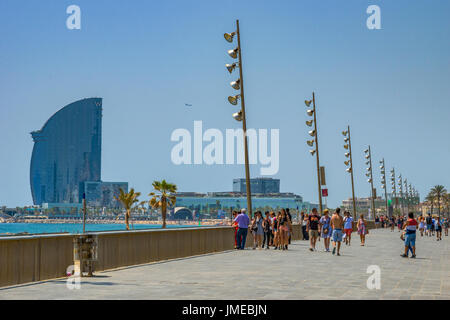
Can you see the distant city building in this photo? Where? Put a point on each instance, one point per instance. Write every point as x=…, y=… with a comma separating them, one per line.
x=364, y=204
x=67, y=153
x=63, y=208
x=216, y=202
x=102, y=194
x=257, y=185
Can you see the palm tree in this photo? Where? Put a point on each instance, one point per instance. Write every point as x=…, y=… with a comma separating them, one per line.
x=447, y=202
x=166, y=197
x=128, y=200
x=430, y=199
x=439, y=193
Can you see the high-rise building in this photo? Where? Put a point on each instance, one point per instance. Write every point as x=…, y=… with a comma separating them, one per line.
x=257, y=185
x=67, y=152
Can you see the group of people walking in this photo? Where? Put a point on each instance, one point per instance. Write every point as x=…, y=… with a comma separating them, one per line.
x=268, y=231
x=336, y=229
x=275, y=230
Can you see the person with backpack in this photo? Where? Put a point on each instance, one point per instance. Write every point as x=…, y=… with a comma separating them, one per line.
x=429, y=222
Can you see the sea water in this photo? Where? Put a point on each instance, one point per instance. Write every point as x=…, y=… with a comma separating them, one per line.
x=36, y=228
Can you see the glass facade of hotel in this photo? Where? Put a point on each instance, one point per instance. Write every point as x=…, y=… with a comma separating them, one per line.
x=103, y=194
x=66, y=152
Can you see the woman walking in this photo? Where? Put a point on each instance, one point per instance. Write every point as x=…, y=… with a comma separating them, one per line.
x=257, y=230
x=267, y=225
x=421, y=225
x=276, y=233
x=438, y=227
x=362, y=229
x=284, y=226
x=304, y=222
x=325, y=228
x=235, y=225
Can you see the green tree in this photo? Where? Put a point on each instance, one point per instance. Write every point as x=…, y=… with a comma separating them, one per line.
x=430, y=199
x=439, y=193
x=128, y=200
x=163, y=197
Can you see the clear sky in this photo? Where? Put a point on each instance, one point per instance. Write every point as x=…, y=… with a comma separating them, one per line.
x=146, y=59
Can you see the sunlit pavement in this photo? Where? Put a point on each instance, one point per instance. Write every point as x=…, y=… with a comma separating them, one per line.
x=272, y=274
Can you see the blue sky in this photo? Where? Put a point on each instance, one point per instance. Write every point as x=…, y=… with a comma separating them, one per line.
x=148, y=58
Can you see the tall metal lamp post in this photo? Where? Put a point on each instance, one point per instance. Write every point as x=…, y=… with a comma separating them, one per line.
x=349, y=164
x=313, y=133
x=368, y=157
x=394, y=189
x=383, y=184
x=240, y=115
x=400, y=185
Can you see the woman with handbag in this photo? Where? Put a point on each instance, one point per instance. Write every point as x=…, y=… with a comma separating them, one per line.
x=257, y=230
x=325, y=229
x=362, y=229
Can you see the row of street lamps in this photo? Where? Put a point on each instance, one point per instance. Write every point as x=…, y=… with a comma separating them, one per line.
x=240, y=116
x=410, y=194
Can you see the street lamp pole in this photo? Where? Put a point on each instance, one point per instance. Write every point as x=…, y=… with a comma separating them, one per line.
x=350, y=169
x=371, y=182
x=394, y=188
x=317, y=154
x=383, y=171
x=240, y=116
x=244, y=125
x=400, y=184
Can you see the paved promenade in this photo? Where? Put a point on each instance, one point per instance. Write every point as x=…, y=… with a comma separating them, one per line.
x=263, y=274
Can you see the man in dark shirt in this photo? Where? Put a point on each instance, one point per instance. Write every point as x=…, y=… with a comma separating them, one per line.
x=429, y=222
x=312, y=227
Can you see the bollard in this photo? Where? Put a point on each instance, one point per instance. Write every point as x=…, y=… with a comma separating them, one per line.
x=85, y=253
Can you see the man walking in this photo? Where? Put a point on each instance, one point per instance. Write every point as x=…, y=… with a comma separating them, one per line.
x=312, y=227
x=429, y=222
x=410, y=237
x=243, y=221
x=348, y=227
x=337, y=223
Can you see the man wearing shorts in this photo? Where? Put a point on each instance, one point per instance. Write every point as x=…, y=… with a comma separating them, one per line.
x=348, y=227
x=337, y=223
x=429, y=222
x=410, y=237
x=313, y=228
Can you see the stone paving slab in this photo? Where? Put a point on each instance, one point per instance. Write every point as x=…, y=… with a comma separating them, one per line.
x=271, y=274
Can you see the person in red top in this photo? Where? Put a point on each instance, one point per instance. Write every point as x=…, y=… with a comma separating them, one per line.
x=235, y=225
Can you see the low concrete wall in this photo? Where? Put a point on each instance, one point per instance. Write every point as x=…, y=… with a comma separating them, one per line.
x=35, y=258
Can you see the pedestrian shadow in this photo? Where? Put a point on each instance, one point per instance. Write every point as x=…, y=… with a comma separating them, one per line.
x=82, y=282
